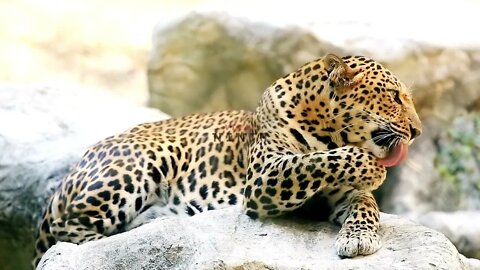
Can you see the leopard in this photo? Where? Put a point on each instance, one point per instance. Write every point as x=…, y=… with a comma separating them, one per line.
x=319, y=143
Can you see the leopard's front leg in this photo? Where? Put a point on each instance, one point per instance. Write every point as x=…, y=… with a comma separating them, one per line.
x=279, y=182
x=357, y=213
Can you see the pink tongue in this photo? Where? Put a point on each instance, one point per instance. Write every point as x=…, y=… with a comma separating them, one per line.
x=397, y=155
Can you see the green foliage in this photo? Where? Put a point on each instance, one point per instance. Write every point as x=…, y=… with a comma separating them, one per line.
x=458, y=158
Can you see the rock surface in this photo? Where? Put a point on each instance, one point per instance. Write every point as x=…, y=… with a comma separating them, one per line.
x=206, y=63
x=461, y=227
x=43, y=132
x=227, y=239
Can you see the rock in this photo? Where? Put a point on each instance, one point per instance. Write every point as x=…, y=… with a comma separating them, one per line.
x=208, y=62
x=460, y=227
x=228, y=239
x=43, y=132
x=212, y=62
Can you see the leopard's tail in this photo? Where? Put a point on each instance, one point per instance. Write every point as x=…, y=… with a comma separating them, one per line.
x=43, y=238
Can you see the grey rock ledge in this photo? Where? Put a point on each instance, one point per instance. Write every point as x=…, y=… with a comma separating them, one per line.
x=227, y=239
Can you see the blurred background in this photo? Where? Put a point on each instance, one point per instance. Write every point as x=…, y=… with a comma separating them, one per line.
x=73, y=72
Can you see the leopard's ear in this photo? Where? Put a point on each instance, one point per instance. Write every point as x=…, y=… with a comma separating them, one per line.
x=340, y=74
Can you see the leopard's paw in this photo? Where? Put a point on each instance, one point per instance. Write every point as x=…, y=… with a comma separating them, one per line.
x=355, y=242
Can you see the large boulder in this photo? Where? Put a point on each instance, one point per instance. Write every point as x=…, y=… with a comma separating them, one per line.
x=205, y=63
x=43, y=133
x=460, y=227
x=228, y=239
x=208, y=62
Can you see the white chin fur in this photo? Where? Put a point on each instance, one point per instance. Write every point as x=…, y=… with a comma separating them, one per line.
x=376, y=150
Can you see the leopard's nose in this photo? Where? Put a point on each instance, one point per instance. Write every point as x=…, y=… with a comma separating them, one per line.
x=414, y=132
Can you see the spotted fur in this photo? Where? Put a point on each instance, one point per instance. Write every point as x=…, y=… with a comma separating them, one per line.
x=311, y=146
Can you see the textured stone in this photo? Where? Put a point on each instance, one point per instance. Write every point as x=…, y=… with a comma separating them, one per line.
x=460, y=227
x=211, y=62
x=227, y=239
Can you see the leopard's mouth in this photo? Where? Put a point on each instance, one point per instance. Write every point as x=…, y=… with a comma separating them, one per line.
x=389, y=148
x=395, y=155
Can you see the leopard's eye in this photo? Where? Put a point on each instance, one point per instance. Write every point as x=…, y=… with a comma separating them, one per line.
x=395, y=95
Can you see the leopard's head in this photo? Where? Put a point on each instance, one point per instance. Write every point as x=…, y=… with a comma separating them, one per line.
x=373, y=108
